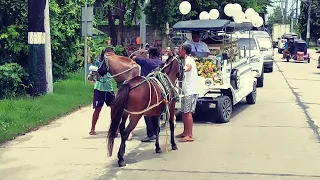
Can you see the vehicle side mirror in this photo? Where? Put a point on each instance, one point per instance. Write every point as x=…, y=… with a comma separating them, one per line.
x=225, y=56
x=316, y=49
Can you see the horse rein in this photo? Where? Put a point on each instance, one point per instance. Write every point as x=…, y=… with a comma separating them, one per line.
x=135, y=65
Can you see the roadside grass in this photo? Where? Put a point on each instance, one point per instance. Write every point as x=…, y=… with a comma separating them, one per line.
x=21, y=115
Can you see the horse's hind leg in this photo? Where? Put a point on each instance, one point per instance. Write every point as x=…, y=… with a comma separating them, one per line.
x=134, y=119
x=156, y=126
x=123, y=123
x=172, y=126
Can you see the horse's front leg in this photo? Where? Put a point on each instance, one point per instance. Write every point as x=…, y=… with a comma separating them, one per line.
x=172, y=126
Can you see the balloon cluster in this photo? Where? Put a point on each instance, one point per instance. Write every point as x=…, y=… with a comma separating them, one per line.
x=250, y=15
x=185, y=8
x=231, y=10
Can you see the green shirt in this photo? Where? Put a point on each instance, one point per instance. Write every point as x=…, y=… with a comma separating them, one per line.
x=105, y=83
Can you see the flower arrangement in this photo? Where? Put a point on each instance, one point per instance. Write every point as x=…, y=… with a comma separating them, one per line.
x=206, y=68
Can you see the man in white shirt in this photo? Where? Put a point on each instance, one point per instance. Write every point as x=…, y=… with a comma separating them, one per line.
x=198, y=46
x=191, y=92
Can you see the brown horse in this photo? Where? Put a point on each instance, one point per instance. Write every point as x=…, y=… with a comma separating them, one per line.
x=142, y=96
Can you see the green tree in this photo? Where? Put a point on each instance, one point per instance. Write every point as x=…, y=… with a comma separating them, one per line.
x=314, y=21
x=120, y=12
x=275, y=17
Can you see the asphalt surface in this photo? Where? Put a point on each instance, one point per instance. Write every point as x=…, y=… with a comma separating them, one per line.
x=277, y=138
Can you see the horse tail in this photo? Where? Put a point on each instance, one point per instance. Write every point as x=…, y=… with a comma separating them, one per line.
x=120, y=104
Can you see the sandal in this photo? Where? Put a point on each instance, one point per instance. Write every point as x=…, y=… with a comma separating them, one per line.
x=186, y=139
x=180, y=135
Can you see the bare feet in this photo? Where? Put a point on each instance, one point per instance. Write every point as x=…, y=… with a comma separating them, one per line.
x=182, y=135
x=92, y=133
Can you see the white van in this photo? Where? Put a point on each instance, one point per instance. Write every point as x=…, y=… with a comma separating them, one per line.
x=249, y=47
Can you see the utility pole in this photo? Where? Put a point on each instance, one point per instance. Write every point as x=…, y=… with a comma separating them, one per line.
x=285, y=11
x=308, y=22
x=143, y=27
x=36, y=41
x=282, y=10
x=297, y=6
x=48, y=49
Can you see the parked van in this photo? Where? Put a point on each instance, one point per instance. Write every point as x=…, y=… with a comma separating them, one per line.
x=249, y=47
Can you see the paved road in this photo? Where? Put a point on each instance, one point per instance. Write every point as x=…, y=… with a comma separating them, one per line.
x=277, y=138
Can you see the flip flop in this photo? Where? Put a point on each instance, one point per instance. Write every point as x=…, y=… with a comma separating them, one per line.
x=92, y=133
x=180, y=136
x=186, y=139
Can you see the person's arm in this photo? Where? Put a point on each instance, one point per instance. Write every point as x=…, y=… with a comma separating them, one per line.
x=139, y=60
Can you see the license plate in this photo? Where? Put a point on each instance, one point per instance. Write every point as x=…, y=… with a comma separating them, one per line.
x=212, y=105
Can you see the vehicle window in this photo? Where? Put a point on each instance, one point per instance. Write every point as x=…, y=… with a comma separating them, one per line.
x=264, y=43
x=245, y=42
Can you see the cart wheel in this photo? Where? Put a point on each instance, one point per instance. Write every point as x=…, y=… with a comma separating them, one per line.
x=252, y=97
x=224, y=109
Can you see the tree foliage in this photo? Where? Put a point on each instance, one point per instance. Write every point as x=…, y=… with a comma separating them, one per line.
x=314, y=21
x=275, y=17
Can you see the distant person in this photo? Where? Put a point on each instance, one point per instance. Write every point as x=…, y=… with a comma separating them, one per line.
x=197, y=45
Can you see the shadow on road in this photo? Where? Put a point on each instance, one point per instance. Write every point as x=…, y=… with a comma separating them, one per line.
x=210, y=116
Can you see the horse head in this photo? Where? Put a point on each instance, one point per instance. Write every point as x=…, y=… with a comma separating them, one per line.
x=174, y=66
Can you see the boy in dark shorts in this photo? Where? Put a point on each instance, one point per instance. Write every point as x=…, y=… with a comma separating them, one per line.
x=103, y=93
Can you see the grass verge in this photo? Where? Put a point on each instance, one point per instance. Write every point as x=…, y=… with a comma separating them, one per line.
x=21, y=115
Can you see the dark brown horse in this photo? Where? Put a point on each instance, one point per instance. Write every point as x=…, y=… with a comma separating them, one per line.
x=136, y=97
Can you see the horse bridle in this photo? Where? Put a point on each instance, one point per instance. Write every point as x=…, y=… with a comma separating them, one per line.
x=180, y=72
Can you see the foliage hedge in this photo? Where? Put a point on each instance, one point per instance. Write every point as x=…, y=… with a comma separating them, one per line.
x=66, y=40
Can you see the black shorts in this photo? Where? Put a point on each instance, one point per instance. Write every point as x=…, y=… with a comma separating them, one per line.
x=101, y=97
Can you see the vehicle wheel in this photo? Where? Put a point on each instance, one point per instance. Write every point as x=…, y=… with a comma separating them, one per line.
x=252, y=97
x=288, y=58
x=279, y=51
x=224, y=109
x=260, y=80
x=308, y=60
x=235, y=78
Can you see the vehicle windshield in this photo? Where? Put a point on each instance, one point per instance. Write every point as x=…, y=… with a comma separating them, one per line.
x=264, y=43
x=245, y=42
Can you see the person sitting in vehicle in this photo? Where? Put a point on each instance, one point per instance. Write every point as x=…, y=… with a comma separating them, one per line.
x=198, y=46
x=286, y=50
x=291, y=47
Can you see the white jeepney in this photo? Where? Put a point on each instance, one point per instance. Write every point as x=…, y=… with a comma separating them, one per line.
x=225, y=77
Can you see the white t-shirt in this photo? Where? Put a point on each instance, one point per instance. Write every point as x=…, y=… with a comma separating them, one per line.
x=198, y=46
x=191, y=81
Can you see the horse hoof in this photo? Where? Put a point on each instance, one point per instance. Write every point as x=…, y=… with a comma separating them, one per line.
x=121, y=164
x=158, y=151
x=174, y=147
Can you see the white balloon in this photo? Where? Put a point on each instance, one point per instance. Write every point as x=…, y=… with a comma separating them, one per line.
x=254, y=16
x=238, y=19
x=214, y=14
x=185, y=7
x=258, y=22
x=237, y=8
x=249, y=12
x=204, y=15
x=228, y=10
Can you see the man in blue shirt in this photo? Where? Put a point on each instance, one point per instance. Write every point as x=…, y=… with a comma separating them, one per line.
x=147, y=66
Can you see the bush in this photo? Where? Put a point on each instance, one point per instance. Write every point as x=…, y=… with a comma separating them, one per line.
x=11, y=80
